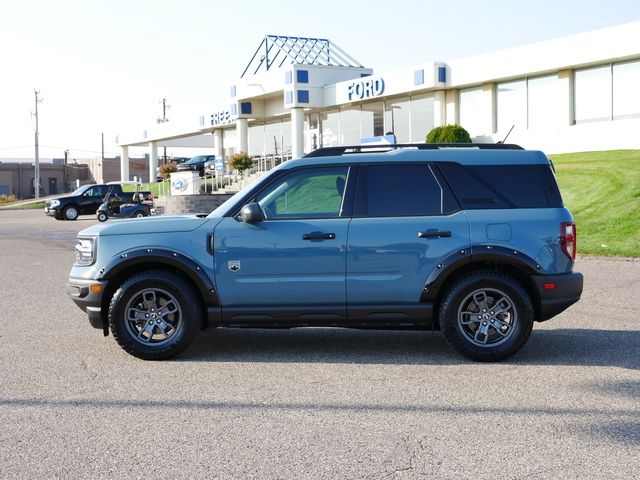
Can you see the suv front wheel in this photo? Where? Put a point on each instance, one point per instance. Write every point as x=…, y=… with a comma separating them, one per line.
x=153, y=315
x=487, y=316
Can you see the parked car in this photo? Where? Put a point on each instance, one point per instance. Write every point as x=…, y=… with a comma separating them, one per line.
x=175, y=161
x=86, y=200
x=474, y=242
x=196, y=163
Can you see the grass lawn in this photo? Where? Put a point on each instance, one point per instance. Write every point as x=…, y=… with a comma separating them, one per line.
x=602, y=190
x=25, y=206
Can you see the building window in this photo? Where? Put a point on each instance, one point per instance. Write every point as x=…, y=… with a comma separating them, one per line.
x=512, y=105
x=350, y=119
x=302, y=76
x=626, y=98
x=256, y=140
x=288, y=77
x=233, y=109
x=593, y=94
x=288, y=97
x=329, y=129
x=245, y=108
x=303, y=96
x=442, y=74
x=397, y=119
x=229, y=142
x=418, y=77
x=233, y=91
x=372, y=119
x=475, y=111
x=543, y=102
x=421, y=117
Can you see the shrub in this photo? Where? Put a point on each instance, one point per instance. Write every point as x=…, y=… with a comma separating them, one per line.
x=241, y=162
x=7, y=198
x=167, y=169
x=449, y=134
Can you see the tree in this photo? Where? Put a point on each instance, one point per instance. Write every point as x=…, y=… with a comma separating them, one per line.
x=241, y=162
x=167, y=169
x=449, y=134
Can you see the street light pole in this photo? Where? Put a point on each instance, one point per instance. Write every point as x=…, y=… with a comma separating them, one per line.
x=36, y=180
x=163, y=120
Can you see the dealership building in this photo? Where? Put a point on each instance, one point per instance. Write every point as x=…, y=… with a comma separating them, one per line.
x=576, y=93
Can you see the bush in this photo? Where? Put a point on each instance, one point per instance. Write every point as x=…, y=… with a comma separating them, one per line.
x=241, y=162
x=167, y=169
x=449, y=134
x=7, y=199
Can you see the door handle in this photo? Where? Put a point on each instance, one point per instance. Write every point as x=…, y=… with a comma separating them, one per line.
x=434, y=234
x=318, y=236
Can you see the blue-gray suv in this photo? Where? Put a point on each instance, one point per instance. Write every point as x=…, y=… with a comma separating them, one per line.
x=473, y=241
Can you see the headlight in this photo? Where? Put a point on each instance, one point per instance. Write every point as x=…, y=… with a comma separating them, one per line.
x=85, y=251
x=54, y=203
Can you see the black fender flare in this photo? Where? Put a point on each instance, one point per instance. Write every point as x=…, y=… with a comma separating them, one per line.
x=476, y=254
x=176, y=260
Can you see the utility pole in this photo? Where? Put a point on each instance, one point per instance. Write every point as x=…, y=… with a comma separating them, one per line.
x=36, y=180
x=164, y=119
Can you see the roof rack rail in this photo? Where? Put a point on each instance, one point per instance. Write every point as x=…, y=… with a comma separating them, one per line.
x=338, y=151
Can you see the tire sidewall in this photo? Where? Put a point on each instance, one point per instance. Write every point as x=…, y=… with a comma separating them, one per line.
x=489, y=280
x=183, y=295
x=66, y=214
x=102, y=217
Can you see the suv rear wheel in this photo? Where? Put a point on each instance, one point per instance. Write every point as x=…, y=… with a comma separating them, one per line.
x=153, y=315
x=487, y=316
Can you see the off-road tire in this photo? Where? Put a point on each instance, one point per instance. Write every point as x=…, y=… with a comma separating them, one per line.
x=166, y=285
x=459, y=335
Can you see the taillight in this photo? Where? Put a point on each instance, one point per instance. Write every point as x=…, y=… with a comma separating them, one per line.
x=568, y=239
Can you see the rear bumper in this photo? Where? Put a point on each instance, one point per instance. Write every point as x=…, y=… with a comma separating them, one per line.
x=90, y=302
x=557, y=293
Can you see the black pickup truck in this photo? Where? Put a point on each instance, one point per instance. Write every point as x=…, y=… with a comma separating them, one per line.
x=86, y=200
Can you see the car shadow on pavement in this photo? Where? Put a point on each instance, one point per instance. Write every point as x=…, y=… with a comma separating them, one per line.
x=335, y=345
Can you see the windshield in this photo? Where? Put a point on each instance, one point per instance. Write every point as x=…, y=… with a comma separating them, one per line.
x=197, y=159
x=80, y=191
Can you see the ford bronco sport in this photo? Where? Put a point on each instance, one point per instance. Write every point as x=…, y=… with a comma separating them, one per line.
x=472, y=241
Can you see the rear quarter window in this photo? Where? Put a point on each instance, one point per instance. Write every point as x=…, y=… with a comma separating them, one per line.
x=496, y=186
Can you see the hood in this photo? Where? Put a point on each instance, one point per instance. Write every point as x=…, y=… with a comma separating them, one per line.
x=160, y=224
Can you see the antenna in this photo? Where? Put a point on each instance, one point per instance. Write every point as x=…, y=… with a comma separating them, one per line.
x=508, y=133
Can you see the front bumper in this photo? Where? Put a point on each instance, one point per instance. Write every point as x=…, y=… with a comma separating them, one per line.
x=557, y=293
x=90, y=301
x=52, y=211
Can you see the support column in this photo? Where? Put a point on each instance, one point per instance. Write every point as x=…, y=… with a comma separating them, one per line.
x=453, y=110
x=124, y=164
x=490, y=91
x=566, y=106
x=297, y=132
x=153, y=161
x=440, y=109
x=217, y=141
x=242, y=134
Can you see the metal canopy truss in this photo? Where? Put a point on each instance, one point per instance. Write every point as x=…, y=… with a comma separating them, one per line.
x=278, y=49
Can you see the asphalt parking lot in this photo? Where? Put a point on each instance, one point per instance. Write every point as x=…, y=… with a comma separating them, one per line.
x=309, y=403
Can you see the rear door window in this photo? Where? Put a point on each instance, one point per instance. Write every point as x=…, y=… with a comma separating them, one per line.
x=400, y=190
x=495, y=186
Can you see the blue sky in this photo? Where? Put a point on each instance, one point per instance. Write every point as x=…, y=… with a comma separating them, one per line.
x=103, y=65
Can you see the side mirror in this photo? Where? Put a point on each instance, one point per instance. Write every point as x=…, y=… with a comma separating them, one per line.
x=251, y=213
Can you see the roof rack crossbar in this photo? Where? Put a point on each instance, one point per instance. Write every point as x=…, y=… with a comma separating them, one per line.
x=342, y=150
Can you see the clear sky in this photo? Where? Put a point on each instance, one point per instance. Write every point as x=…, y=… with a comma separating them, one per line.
x=104, y=65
